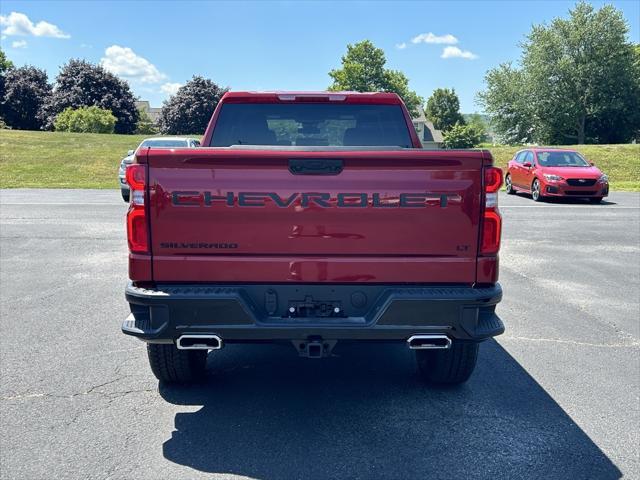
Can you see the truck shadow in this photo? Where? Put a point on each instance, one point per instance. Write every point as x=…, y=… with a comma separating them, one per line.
x=569, y=200
x=267, y=414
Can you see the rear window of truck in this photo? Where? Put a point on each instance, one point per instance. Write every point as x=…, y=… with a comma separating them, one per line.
x=311, y=124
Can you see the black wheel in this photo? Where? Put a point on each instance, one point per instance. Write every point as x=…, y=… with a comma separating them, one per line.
x=536, y=194
x=125, y=195
x=508, y=185
x=451, y=366
x=595, y=199
x=171, y=365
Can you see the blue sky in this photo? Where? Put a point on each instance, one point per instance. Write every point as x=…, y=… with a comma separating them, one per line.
x=277, y=45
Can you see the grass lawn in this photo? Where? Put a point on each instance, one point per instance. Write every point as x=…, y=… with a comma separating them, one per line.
x=86, y=160
x=62, y=160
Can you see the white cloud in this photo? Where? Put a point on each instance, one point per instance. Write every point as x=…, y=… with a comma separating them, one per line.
x=124, y=62
x=447, y=39
x=19, y=44
x=85, y=45
x=170, y=88
x=455, y=52
x=19, y=24
x=401, y=46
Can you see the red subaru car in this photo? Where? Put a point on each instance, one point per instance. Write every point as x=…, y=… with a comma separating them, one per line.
x=553, y=172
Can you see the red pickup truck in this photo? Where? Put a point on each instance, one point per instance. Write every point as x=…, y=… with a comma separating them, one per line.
x=311, y=219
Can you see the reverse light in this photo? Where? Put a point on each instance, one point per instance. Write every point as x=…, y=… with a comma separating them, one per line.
x=553, y=178
x=492, y=221
x=137, y=232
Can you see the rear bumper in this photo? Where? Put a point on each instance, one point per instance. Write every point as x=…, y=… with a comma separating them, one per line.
x=255, y=313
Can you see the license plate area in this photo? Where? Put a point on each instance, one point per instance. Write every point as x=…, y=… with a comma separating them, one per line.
x=311, y=308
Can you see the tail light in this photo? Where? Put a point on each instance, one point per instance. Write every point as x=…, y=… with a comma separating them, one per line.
x=492, y=221
x=137, y=231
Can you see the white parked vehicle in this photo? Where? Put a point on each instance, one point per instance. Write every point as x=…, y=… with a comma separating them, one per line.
x=155, y=142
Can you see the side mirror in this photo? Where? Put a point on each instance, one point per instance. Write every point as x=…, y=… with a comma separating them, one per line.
x=592, y=164
x=527, y=164
x=130, y=152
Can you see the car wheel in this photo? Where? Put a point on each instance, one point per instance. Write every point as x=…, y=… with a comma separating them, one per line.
x=508, y=185
x=125, y=195
x=451, y=366
x=536, y=194
x=595, y=199
x=171, y=365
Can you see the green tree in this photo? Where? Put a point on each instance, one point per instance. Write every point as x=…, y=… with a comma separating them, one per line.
x=509, y=104
x=26, y=91
x=82, y=84
x=190, y=109
x=5, y=66
x=5, y=63
x=363, y=70
x=462, y=136
x=577, y=82
x=85, y=120
x=480, y=124
x=443, y=109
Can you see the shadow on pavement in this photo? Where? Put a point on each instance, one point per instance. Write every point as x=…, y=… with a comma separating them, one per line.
x=568, y=200
x=267, y=414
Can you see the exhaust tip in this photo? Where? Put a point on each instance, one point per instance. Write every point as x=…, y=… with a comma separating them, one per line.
x=428, y=342
x=199, y=342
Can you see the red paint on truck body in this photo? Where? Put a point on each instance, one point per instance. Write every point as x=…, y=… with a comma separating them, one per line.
x=240, y=215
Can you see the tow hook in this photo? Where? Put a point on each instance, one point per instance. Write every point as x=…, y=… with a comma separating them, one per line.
x=314, y=347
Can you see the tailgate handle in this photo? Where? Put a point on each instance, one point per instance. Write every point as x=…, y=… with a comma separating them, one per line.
x=315, y=166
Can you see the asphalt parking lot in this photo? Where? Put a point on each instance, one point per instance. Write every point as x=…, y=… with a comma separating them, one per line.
x=557, y=396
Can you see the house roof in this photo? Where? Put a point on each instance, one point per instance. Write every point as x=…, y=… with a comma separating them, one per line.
x=431, y=134
x=153, y=112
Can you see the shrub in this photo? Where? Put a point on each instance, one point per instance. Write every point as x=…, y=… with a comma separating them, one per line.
x=462, y=136
x=85, y=120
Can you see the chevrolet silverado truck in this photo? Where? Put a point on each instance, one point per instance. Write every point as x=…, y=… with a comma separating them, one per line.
x=312, y=219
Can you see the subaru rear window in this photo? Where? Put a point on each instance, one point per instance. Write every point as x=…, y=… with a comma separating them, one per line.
x=311, y=124
x=164, y=143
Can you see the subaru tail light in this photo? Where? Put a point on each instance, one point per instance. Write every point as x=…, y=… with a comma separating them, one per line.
x=492, y=220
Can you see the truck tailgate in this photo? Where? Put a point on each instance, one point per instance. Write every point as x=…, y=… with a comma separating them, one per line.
x=219, y=214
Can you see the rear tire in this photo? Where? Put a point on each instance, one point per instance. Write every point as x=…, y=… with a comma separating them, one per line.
x=595, y=199
x=536, y=192
x=125, y=195
x=451, y=366
x=171, y=365
x=508, y=185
